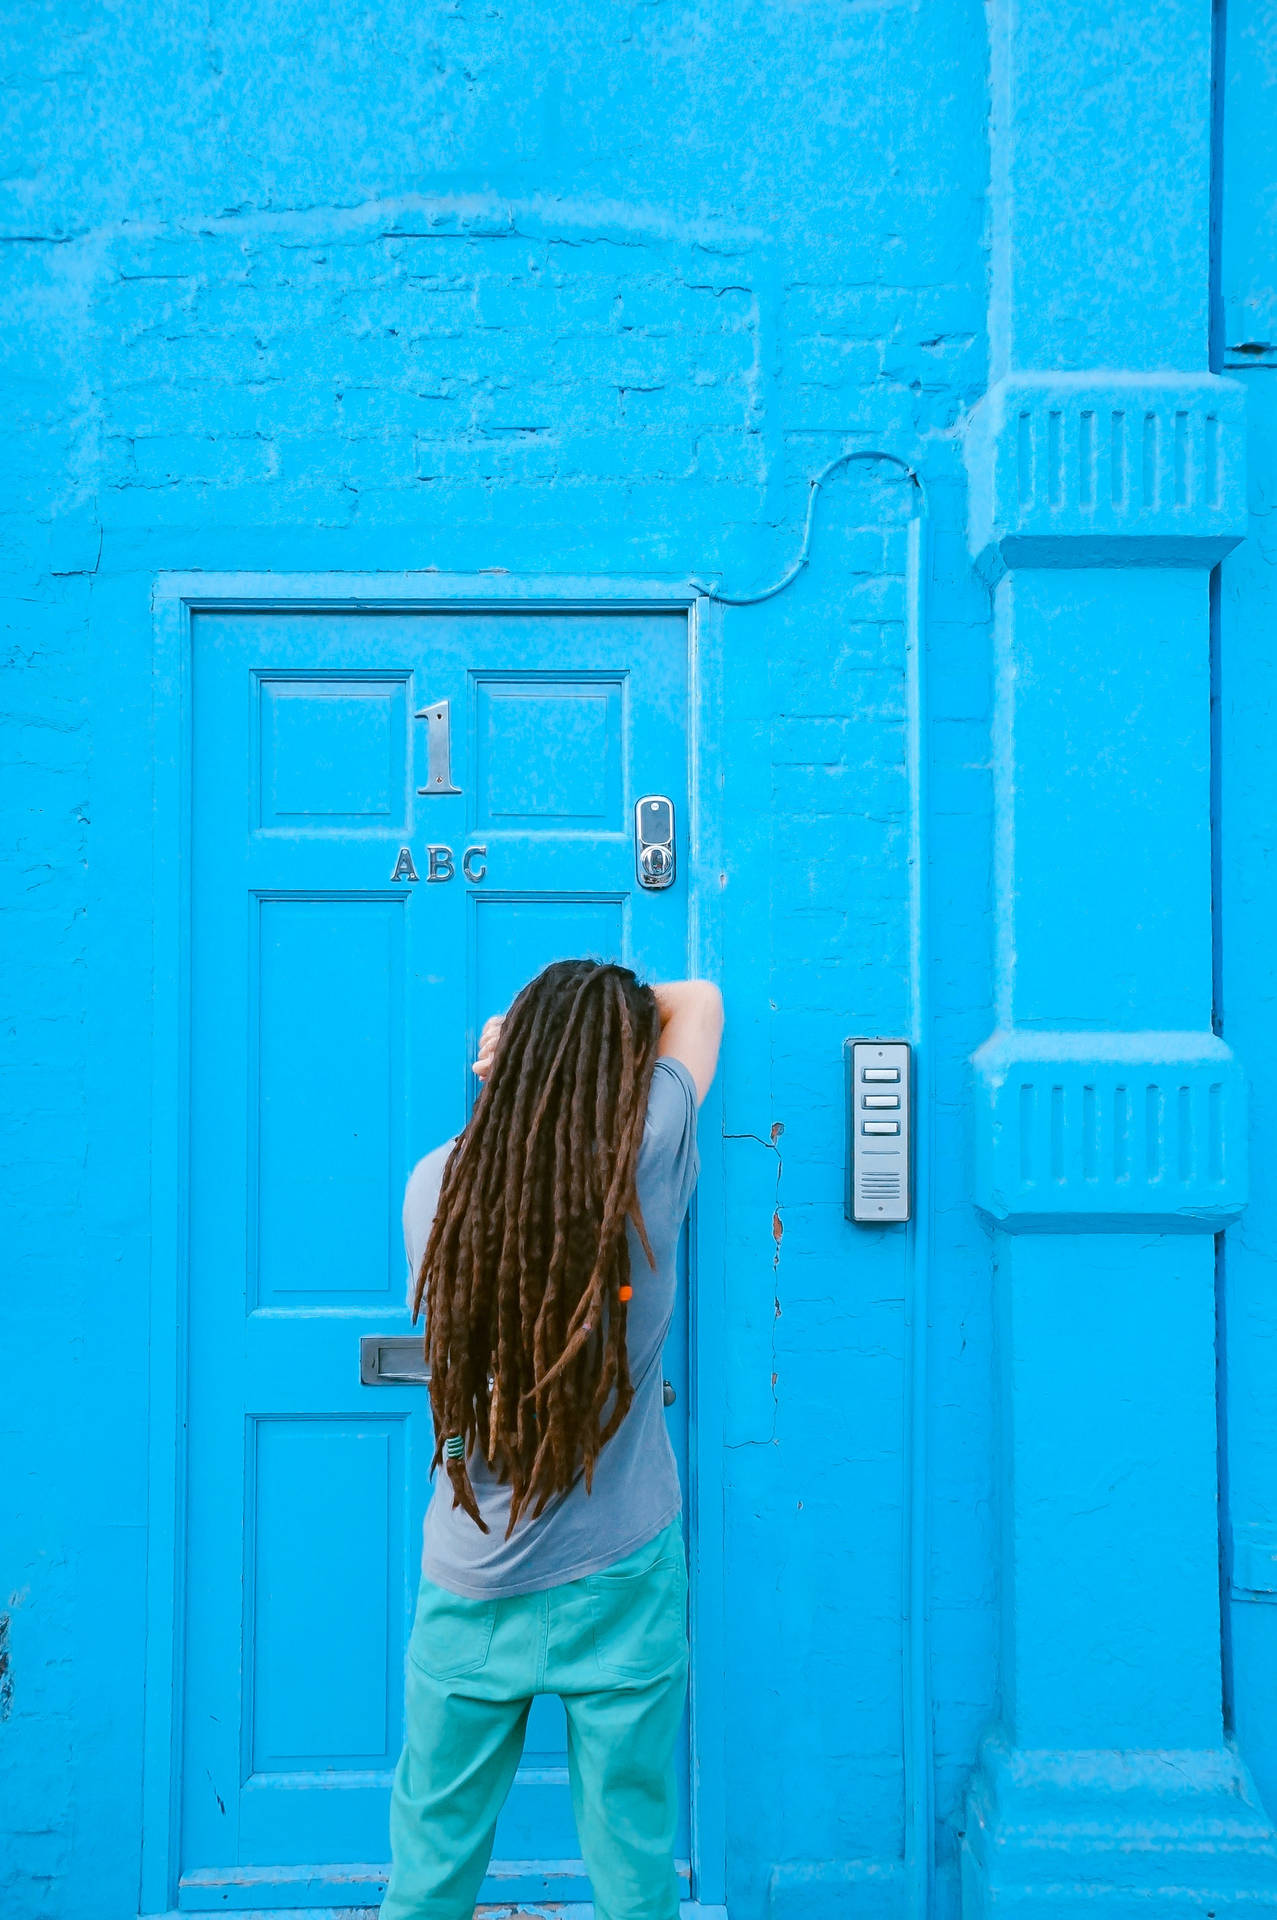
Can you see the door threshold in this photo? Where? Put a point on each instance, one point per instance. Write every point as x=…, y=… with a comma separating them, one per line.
x=527, y=1910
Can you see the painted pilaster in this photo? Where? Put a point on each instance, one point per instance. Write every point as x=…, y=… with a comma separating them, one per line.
x=1106, y=471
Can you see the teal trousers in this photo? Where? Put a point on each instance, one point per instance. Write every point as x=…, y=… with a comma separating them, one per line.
x=613, y=1646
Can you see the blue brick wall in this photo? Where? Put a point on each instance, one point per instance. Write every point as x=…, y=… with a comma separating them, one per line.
x=563, y=289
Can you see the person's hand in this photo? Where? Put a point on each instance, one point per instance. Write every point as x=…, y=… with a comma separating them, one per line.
x=488, y=1045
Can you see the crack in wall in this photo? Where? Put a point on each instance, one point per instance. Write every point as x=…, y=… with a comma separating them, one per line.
x=6, y=1669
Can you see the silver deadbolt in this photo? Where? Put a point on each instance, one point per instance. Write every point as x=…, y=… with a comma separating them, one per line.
x=654, y=841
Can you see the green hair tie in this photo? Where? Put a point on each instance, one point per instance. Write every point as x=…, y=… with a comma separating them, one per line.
x=454, y=1447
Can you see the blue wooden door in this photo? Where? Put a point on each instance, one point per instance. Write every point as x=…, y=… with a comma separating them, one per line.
x=335, y=1003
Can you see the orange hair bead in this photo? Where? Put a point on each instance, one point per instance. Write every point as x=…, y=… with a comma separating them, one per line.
x=626, y=1293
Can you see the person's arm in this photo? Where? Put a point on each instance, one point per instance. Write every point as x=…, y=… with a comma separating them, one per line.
x=691, y=1027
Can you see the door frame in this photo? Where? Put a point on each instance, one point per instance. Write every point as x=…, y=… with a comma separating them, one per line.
x=176, y=596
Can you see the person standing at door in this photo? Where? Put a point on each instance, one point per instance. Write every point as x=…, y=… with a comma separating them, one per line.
x=542, y=1243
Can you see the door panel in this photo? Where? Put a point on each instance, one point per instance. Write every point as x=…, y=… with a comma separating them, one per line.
x=518, y=784
x=326, y=1012
x=334, y=1015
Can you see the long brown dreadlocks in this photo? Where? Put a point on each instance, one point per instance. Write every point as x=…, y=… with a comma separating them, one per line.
x=526, y=1272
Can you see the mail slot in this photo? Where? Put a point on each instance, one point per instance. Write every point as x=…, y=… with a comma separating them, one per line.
x=393, y=1360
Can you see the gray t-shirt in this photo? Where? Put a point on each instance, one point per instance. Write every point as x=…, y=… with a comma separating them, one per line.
x=635, y=1491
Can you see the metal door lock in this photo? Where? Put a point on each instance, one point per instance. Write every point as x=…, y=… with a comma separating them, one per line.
x=654, y=841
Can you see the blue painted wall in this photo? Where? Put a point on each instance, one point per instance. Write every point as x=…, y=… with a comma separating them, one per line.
x=583, y=290
x=1246, y=686
x=1246, y=323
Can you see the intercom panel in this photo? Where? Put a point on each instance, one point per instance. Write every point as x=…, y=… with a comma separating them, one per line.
x=878, y=1131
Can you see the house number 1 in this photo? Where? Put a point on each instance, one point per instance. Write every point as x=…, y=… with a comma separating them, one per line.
x=438, y=748
x=440, y=860
x=441, y=864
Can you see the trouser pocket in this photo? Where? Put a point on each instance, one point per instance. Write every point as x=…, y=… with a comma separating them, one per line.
x=639, y=1611
x=451, y=1634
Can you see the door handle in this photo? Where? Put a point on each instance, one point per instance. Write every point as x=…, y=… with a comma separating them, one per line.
x=392, y=1360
